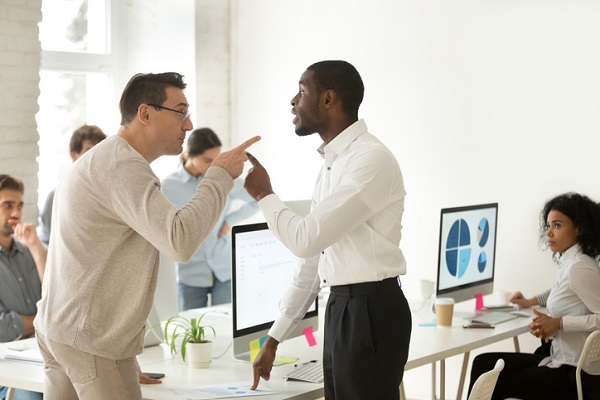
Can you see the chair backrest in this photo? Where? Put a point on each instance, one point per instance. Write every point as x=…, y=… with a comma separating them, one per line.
x=485, y=384
x=589, y=354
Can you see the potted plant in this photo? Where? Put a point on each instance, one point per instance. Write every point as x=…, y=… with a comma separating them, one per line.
x=192, y=341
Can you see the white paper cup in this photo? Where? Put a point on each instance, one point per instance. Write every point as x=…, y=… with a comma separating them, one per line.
x=444, y=308
x=502, y=296
x=427, y=288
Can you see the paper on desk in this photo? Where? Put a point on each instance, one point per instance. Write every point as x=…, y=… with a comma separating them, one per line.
x=30, y=353
x=224, y=391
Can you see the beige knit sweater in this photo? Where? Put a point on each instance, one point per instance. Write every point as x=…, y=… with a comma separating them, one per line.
x=110, y=220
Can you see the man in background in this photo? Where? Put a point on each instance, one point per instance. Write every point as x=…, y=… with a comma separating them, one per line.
x=84, y=138
x=22, y=264
x=349, y=241
x=110, y=222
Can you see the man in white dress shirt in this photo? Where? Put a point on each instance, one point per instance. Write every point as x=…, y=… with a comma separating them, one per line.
x=349, y=241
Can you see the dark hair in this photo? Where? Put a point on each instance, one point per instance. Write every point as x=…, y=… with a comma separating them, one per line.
x=10, y=183
x=146, y=89
x=85, y=132
x=585, y=215
x=199, y=141
x=343, y=79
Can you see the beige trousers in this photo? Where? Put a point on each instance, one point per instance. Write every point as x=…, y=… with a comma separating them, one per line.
x=75, y=375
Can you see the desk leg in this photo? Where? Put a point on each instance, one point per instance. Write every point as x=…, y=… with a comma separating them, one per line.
x=463, y=374
x=433, y=382
x=442, y=379
x=516, y=342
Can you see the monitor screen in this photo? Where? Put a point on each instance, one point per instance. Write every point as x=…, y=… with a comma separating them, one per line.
x=262, y=269
x=467, y=251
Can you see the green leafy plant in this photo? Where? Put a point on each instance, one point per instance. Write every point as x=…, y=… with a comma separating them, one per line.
x=188, y=329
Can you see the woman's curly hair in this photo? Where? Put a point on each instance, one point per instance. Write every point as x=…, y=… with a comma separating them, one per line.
x=585, y=215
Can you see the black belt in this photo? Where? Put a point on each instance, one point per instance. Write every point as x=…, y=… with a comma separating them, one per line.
x=366, y=287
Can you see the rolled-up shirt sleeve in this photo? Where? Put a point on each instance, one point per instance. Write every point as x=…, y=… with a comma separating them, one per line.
x=11, y=325
x=584, y=281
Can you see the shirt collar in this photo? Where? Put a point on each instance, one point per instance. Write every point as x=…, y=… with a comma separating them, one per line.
x=185, y=176
x=16, y=247
x=570, y=254
x=337, y=146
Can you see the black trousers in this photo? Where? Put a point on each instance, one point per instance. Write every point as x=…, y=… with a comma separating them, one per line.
x=367, y=333
x=523, y=379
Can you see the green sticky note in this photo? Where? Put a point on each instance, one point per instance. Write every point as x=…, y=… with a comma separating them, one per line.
x=285, y=360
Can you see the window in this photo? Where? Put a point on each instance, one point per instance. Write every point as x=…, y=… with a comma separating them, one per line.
x=75, y=25
x=76, y=80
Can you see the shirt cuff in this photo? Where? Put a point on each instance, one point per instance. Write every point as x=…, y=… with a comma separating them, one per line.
x=573, y=323
x=281, y=328
x=271, y=203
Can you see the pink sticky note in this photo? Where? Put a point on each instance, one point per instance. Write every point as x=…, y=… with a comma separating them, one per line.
x=310, y=338
x=479, y=301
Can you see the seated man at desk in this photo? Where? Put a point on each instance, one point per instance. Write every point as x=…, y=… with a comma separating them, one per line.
x=22, y=263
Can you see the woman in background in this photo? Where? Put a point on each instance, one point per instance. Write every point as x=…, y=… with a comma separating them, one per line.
x=570, y=226
x=209, y=270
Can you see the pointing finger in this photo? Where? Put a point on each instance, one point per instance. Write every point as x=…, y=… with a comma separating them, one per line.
x=248, y=143
x=253, y=160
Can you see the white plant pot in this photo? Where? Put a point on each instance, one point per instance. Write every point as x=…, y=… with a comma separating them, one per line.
x=198, y=354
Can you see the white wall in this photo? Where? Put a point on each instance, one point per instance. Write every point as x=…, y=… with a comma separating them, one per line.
x=19, y=82
x=480, y=100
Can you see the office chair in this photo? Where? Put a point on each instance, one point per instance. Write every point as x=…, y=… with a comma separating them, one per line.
x=485, y=384
x=589, y=354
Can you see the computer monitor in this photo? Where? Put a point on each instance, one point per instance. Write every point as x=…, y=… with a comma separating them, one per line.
x=262, y=269
x=467, y=251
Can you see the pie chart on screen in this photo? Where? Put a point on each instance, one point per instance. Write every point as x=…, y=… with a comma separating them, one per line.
x=483, y=232
x=458, y=248
x=481, y=261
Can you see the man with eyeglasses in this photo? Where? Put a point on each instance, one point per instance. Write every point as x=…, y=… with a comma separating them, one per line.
x=110, y=223
x=22, y=263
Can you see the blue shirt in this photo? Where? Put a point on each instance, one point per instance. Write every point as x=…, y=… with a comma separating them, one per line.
x=20, y=289
x=213, y=255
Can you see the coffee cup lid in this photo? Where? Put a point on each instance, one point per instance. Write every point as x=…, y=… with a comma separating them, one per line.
x=444, y=300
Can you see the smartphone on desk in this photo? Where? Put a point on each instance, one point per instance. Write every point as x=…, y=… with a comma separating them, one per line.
x=478, y=325
x=155, y=375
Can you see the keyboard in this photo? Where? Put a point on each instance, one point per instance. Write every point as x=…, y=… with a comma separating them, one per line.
x=494, y=317
x=311, y=371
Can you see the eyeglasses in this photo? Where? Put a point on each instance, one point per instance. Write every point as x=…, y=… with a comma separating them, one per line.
x=183, y=114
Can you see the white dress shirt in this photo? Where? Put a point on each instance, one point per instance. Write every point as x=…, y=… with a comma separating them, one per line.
x=352, y=233
x=576, y=298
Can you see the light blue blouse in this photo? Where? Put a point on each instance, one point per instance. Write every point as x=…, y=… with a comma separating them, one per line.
x=213, y=255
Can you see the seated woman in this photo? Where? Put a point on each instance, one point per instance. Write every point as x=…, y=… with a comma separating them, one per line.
x=570, y=225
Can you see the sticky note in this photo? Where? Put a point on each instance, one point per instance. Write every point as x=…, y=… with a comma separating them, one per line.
x=255, y=346
x=310, y=338
x=254, y=349
x=285, y=360
x=479, y=301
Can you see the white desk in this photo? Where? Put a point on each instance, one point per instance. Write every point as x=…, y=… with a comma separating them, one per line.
x=428, y=346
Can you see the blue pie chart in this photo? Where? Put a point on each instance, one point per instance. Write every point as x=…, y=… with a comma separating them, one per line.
x=483, y=232
x=481, y=261
x=458, y=248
